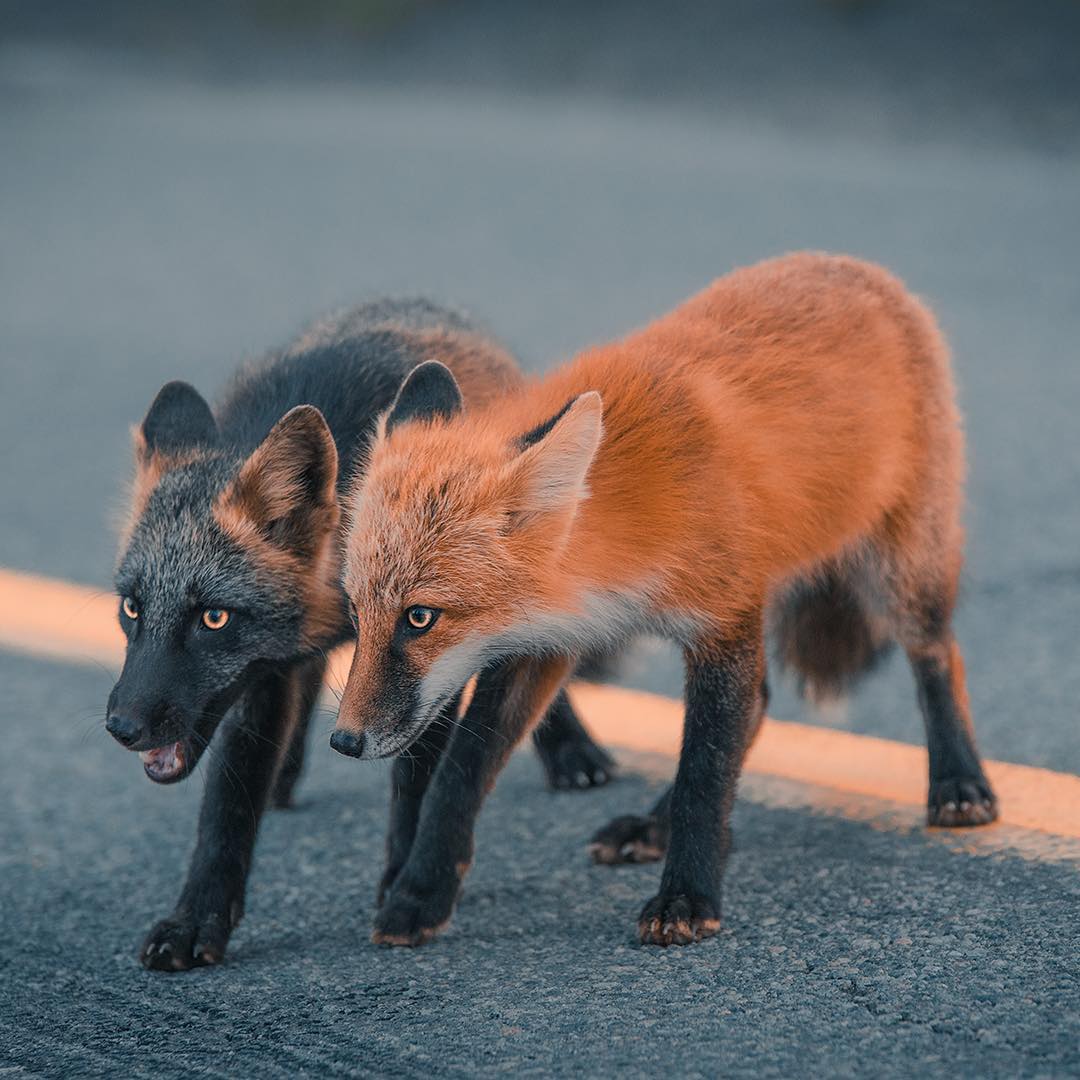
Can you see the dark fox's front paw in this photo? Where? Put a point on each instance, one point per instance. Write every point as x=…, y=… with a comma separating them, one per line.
x=412, y=916
x=678, y=920
x=631, y=838
x=184, y=941
x=574, y=763
x=961, y=803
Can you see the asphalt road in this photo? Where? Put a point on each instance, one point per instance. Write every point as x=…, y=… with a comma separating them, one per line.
x=847, y=950
x=161, y=220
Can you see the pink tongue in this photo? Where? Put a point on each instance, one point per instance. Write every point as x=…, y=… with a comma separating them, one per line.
x=163, y=762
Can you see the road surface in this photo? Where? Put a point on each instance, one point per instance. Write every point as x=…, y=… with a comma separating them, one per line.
x=162, y=218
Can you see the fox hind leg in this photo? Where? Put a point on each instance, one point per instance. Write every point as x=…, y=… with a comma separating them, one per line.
x=920, y=581
x=959, y=793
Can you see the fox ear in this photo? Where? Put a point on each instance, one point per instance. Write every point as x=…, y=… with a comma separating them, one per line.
x=429, y=392
x=286, y=488
x=551, y=470
x=179, y=420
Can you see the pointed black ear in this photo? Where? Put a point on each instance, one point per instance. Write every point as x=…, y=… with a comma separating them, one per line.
x=178, y=420
x=429, y=392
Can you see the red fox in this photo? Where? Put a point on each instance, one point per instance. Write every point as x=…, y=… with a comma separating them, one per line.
x=784, y=447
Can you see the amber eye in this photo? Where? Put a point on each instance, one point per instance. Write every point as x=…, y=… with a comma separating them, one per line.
x=421, y=618
x=215, y=618
x=131, y=609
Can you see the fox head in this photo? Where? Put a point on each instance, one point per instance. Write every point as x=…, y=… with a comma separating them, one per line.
x=229, y=563
x=454, y=533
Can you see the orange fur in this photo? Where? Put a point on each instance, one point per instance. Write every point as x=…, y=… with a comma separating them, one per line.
x=786, y=416
x=785, y=441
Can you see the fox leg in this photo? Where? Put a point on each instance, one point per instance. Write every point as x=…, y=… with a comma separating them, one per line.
x=509, y=699
x=959, y=792
x=239, y=779
x=641, y=838
x=920, y=580
x=570, y=757
x=307, y=679
x=723, y=680
x=409, y=778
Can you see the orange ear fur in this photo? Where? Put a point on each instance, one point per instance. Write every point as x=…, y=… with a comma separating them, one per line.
x=290, y=477
x=550, y=475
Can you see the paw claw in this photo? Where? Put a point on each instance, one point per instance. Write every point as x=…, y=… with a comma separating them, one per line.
x=961, y=803
x=677, y=920
x=184, y=942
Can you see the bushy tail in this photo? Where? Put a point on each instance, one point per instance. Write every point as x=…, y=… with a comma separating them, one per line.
x=825, y=635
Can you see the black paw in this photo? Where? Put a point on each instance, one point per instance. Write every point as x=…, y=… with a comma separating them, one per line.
x=575, y=763
x=630, y=839
x=961, y=803
x=182, y=941
x=411, y=916
x=677, y=920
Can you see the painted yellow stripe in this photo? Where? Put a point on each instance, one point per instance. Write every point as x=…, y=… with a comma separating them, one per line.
x=45, y=617
x=860, y=765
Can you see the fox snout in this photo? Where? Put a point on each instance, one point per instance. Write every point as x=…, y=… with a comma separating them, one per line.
x=127, y=728
x=136, y=724
x=377, y=715
x=348, y=743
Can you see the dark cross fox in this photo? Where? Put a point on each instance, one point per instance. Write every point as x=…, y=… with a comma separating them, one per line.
x=230, y=596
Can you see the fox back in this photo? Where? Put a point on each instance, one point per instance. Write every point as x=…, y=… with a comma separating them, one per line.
x=664, y=483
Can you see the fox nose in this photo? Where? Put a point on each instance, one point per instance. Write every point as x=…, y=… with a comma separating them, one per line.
x=347, y=743
x=124, y=728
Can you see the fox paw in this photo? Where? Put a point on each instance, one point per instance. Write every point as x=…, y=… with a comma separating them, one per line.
x=182, y=942
x=960, y=803
x=677, y=920
x=409, y=918
x=630, y=839
x=575, y=764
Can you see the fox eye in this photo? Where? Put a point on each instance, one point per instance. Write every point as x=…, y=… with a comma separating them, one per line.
x=421, y=619
x=130, y=608
x=215, y=618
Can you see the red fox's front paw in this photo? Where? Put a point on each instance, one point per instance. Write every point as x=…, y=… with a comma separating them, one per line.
x=677, y=920
x=408, y=918
x=182, y=942
x=630, y=839
x=960, y=803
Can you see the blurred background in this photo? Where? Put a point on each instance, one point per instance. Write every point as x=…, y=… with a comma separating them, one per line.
x=182, y=186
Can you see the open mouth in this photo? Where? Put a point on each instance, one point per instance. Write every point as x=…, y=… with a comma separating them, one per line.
x=165, y=764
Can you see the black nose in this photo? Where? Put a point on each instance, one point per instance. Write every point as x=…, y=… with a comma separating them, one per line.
x=124, y=728
x=347, y=743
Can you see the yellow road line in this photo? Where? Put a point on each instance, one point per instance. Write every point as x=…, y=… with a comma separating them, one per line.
x=45, y=617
